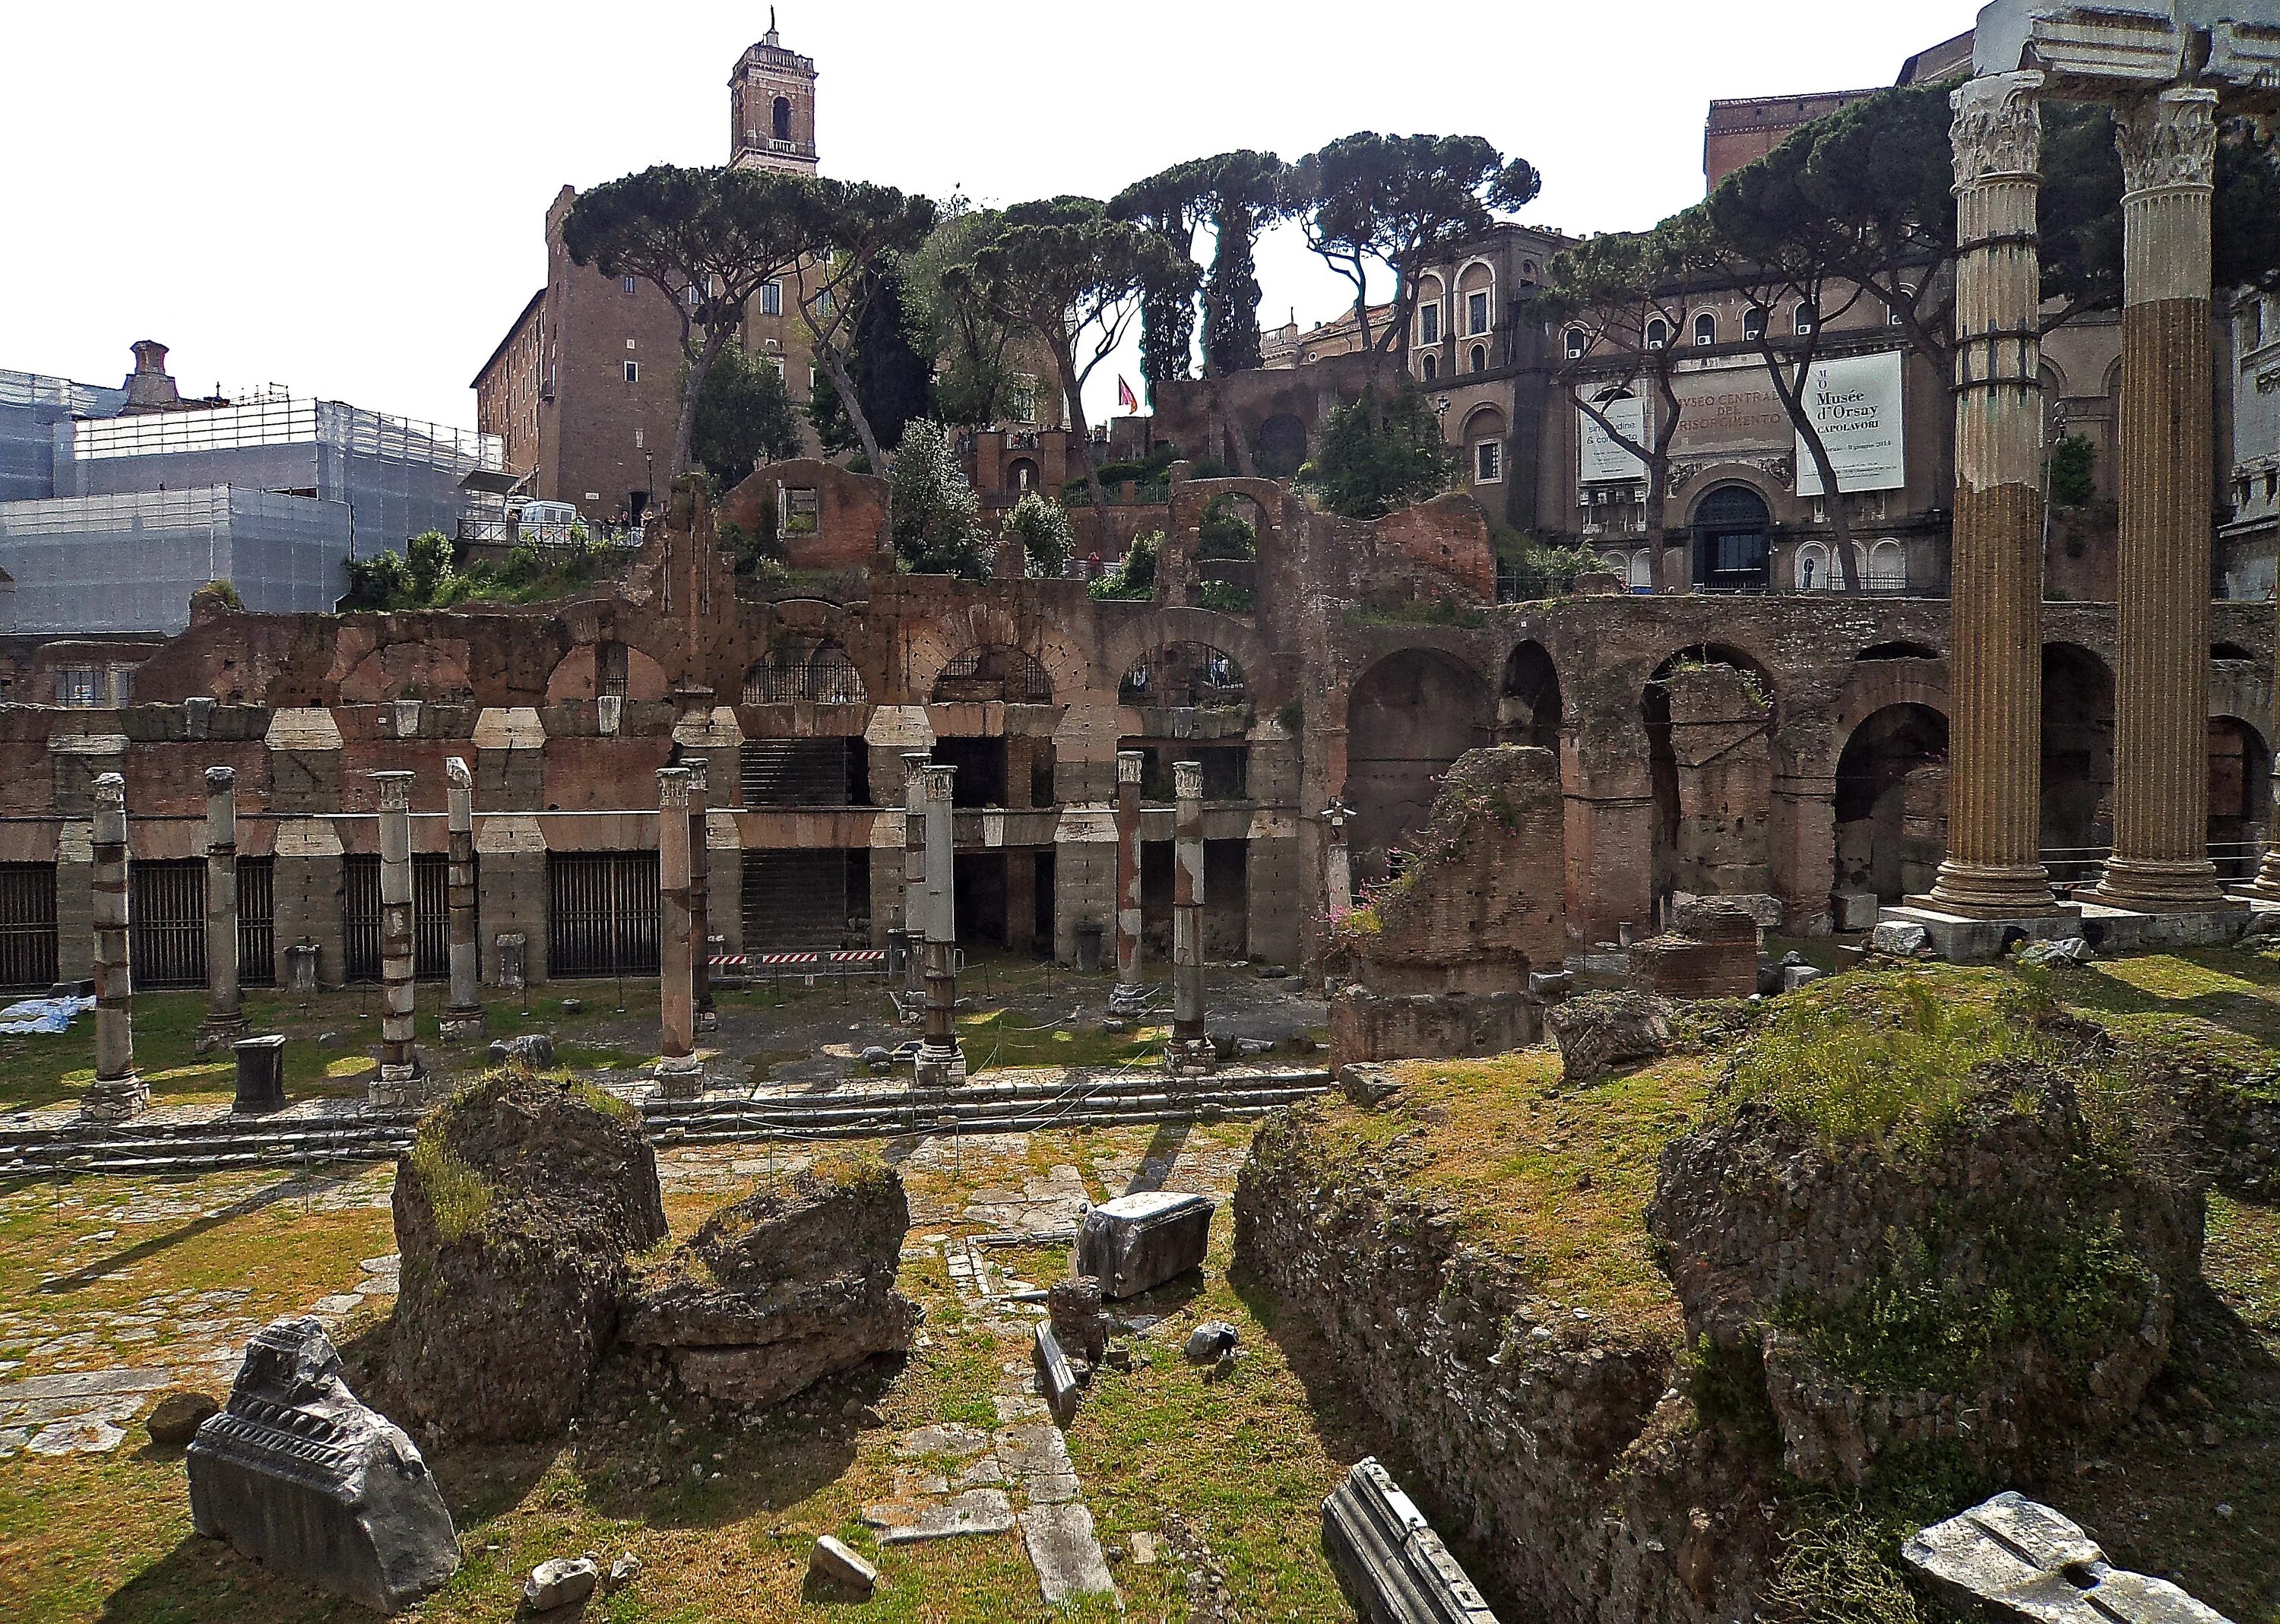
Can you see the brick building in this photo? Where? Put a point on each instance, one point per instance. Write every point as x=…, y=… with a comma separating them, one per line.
x=585, y=388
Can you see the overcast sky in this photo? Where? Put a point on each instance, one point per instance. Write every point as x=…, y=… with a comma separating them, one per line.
x=349, y=200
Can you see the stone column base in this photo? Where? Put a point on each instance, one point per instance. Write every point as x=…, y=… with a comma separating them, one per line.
x=939, y=1069
x=219, y=1032
x=115, y=1099
x=397, y=1087
x=1984, y=891
x=464, y=1025
x=1195, y=1057
x=708, y=1020
x=681, y=1077
x=2142, y=886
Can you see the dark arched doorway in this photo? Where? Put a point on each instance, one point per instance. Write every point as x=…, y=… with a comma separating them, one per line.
x=1891, y=803
x=2077, y=762
x=1733, y=532
x=1282, y=446
x=2239, y=792
x=1528, y=710
x=1410, y=716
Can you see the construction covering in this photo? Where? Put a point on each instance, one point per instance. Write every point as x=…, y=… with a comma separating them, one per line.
x=31, y=406
x=129, y=562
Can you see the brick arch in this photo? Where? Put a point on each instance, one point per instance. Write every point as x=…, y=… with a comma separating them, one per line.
x=931, y=644
x=1881, y=684
x=1230, y=635
x=1192, y=497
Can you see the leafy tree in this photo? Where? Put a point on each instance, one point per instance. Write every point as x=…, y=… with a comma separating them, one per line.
x=707, y=240
x=937, y=518
x=381, y=582
x=1629, y=301
x=1378, y=455
x=892, y=379
x=743, y=418
x=853, y=228
x=1135, y=574
x=1243, y=193
x=979, y=355
x=1042, y=526
x=2074, y=471
x=1073, y=277
x=1224, y=532
x=1400, y=200
x=1166, y=204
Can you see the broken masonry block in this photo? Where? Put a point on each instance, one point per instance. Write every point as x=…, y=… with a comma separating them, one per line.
x=1392, y=1565
x=1135, y=1243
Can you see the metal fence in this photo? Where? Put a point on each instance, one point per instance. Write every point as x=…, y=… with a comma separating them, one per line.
x=167, y=924
x=602, y=913
x=431, y=917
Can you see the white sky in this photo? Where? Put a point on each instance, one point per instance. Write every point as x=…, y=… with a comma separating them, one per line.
x=349, y=200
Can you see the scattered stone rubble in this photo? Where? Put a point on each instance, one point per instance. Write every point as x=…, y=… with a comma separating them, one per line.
x=1599, y=1032
x=790, y=1285
x=516, y=1212
x=2011, y=1558
x=299, y=1475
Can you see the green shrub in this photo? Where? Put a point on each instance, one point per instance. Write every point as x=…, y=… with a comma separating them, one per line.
x=1377, y=456
x=2074, y=471
x=1135, y=574
x=1225, y=533
x=1042, y=526
x=1227, y=598
x=937, y=518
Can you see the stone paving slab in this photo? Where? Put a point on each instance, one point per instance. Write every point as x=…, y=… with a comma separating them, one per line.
x=977, y=1511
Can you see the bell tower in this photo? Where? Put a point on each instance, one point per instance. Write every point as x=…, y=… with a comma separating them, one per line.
x=772, y=108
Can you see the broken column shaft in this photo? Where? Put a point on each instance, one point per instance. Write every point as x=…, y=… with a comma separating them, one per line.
x=1337, y=865
x=399, y=1058
x=939, y=1059
x=117, y=1092
x=1128, y=998
x=678, y=1074
x=1191, y=1049
x=914, y=885
x=700, y=898
x=2160, y=862
x=225, y=1022
x=463, y=1003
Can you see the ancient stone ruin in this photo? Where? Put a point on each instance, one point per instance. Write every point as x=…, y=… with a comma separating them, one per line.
x=791, y=1285
x=516, y=1212
x=309, y=1482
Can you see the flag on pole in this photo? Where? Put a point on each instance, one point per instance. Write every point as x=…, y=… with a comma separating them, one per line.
x=1125, y=397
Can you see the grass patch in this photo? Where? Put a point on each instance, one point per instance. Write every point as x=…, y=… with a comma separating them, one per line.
x=1003, y=1039
x=459, y=1196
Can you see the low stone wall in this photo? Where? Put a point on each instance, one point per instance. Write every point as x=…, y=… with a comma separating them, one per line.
x=1368, y=1026
x=1547, y=1444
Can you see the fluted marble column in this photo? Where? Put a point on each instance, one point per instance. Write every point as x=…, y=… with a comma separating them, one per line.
x=1127, y=999
x=117, y=1091
x=2160, y=862
x=679, y=1074
x=1993, y=868
x=399, y=1054
x=225, y=1022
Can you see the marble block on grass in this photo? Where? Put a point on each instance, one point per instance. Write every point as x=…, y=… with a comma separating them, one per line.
x=1135, y=1243
x=300, y=1476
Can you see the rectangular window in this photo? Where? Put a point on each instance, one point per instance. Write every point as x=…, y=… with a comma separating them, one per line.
x=627, y=283
x=76, y=685
x=1488, y=462
x=1428, y=324
x=772, y=298
x=802, y=512
x=1476, y=312
x=633, y=372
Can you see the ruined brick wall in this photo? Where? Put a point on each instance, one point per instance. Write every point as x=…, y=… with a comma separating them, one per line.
x=823, y=517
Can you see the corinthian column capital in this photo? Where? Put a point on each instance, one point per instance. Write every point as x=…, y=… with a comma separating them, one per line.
x=2168, y=141
x=1998, y=131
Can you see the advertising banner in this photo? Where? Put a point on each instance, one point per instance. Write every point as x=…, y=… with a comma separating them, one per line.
x=1855, y=407
x=1604, y=458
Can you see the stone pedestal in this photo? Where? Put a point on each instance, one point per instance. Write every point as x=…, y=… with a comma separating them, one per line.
x=117, y=1091
x=462, y=1019
x=225, y=1022
x=1190, y=1051
x=1993, y=868
x=1128, y=997
x=678, y=1072
x=940, y=1060
x=2161, y=761
x=401, y=1071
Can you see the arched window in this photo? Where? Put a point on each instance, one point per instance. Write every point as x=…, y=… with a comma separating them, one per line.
x=1577, y=342
x=821, y=675
x=1806, y=320
x=993, y=674
x=1706, y=330
x=1658, y=333
x=1480, y=359
x=1892, y=315
x=1429, y=368
x=1753, y=324
x=1640, y=576
x=1888, y=567
x=1732, y=529
x=1811, y=570
x=783, y=119
x=1183, y=675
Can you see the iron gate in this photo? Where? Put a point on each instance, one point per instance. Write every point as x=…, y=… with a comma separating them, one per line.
x=807, y=899
x=27, y=926
x=167, y=925
x=602, y=913
x=256, y=921
x=431, y=917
